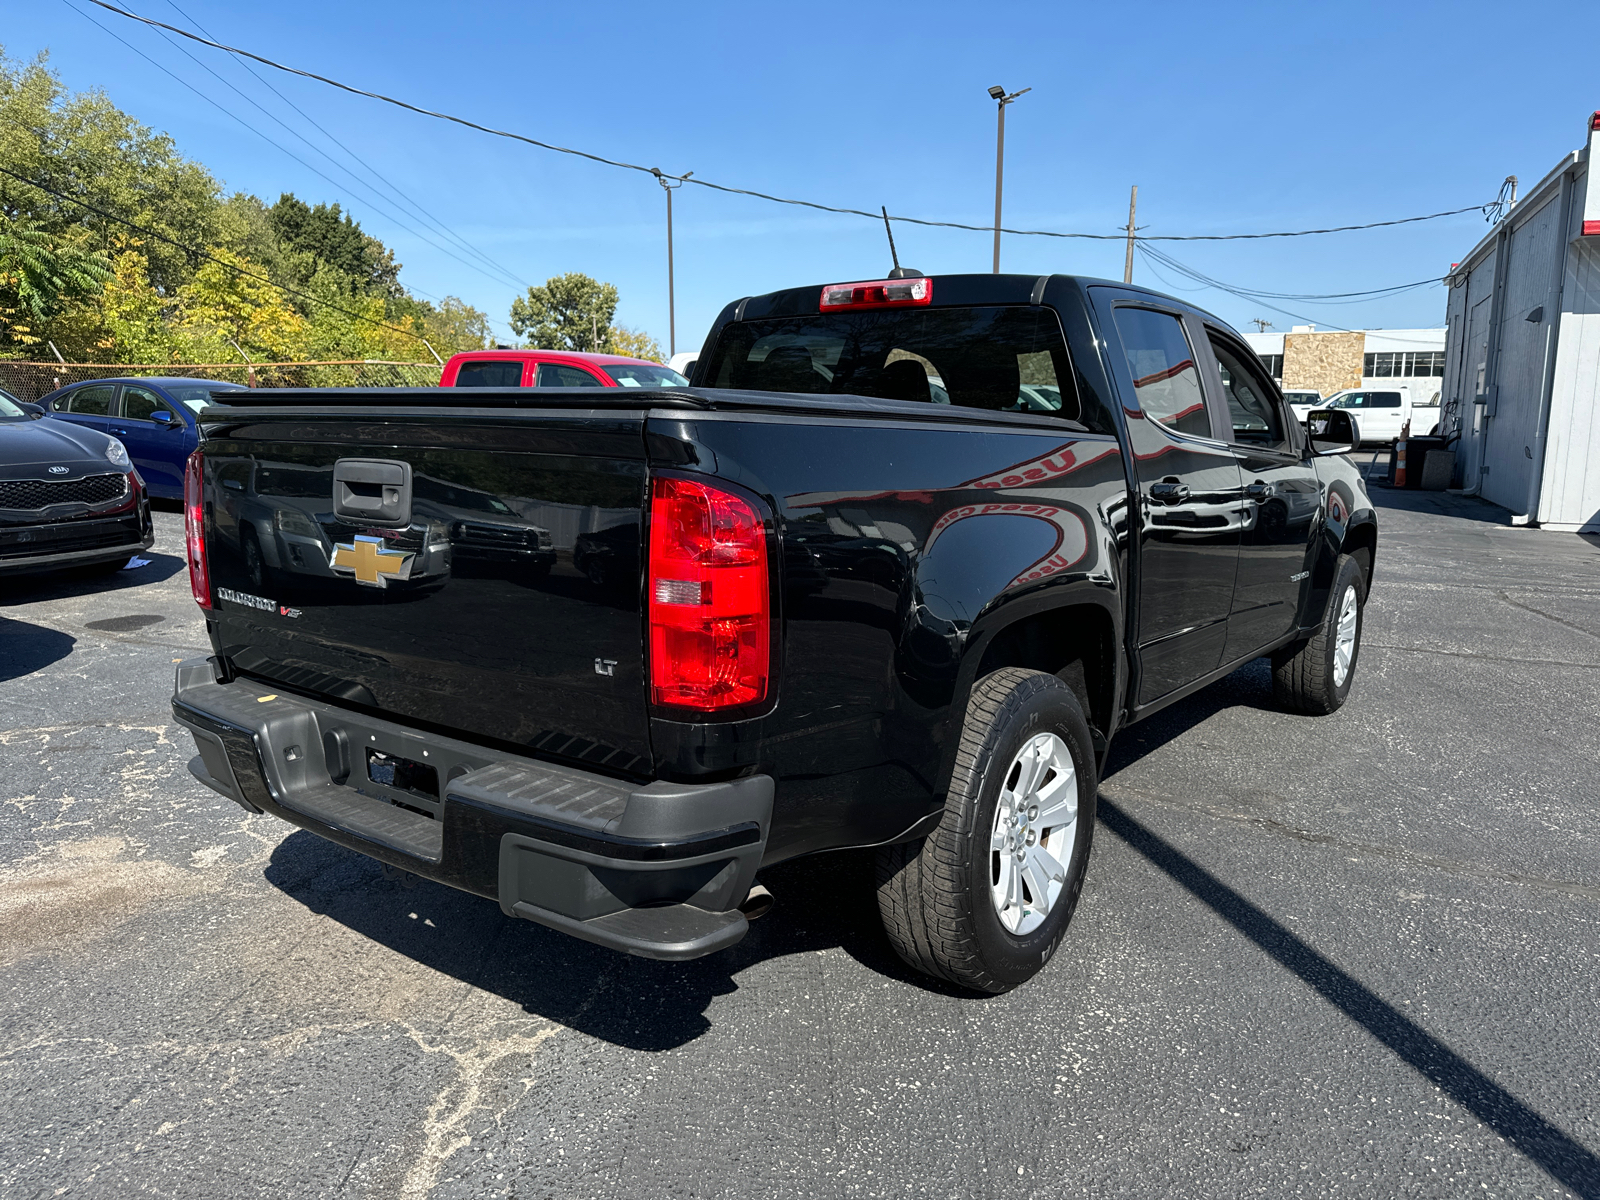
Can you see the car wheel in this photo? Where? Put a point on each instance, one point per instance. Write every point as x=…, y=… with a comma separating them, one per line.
x=1314, y=676
x=984, y=900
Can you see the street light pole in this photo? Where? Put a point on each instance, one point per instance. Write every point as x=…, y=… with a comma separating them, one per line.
x=998, y=94
x=669, y=184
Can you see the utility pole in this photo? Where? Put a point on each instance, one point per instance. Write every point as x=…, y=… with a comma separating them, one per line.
x=669, y=184
x=998, y=94
x=1261, y=324
x=1127, y=263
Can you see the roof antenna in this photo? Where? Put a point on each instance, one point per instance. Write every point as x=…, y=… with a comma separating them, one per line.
x=899, y=272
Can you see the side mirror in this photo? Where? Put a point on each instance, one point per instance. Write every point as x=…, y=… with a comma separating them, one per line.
x=161, y=417
x=33, y=410
x=1332, y=431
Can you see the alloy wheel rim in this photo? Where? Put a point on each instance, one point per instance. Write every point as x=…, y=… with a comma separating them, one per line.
x=1035, y=831
x=1344, y=641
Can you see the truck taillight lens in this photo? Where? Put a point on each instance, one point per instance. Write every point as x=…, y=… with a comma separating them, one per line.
x=877, y=293
x=710, y=605
x=194, y=530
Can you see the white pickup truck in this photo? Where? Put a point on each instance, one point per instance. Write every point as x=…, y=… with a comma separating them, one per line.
x=1382, y=413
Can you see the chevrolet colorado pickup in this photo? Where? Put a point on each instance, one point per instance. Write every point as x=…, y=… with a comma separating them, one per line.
x=891, y=573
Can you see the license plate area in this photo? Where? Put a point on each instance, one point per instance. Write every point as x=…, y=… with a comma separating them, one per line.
x=406, y=775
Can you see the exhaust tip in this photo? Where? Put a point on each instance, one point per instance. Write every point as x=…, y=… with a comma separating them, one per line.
x=757, y=904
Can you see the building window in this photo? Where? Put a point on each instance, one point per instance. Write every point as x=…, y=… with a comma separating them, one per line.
x=1274, y=365
x=1404, y=365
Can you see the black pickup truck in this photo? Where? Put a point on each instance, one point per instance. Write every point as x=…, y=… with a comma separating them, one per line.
x=892, y=573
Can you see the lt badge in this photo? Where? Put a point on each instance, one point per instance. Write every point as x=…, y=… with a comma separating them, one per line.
x=371, y=562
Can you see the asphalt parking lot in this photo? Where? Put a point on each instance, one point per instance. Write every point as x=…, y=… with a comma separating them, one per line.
x=1356, y=955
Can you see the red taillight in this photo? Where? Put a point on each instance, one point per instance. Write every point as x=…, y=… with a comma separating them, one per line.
x=710, y=607
x=1591, y=229
x=879, y=293
x=194, y=530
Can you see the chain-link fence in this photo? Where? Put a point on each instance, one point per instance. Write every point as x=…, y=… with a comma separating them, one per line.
x=31, y=380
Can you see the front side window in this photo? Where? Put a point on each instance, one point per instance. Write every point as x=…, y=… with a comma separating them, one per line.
x=644, y=375
x=1251, y=405
x=92, y=401
x=1349, y=400
x=561, y=375
x=140, y=404
x=496, y=373
x=1003, y=358
x=1165, y=377
x=196, y=398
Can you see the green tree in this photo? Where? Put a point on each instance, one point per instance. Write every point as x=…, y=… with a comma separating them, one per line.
x=334, y=238
x=634, y=343
x=84, y=146
x=39, y=276
x=570, y=312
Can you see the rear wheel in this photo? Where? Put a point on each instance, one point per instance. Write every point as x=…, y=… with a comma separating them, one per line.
x=1314, y=676
x=984, y=900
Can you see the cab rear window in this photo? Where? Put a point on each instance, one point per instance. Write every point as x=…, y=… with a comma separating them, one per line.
x=1004, y=358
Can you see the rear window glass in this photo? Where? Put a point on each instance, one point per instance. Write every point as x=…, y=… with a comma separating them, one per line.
x=91, y=401
x=496, y=373
x=1010, y=359
x=644, y=375
x=1164, y=374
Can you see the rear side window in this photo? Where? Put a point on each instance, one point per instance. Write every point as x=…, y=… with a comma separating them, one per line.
x=1383, y=399
x=558, y=375
x=1165, y=377
x=496, y=373
x=1010, y=359
x=91, y=401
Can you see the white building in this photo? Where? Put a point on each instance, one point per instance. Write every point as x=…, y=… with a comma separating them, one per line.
x=1522, y=369
x=1376, y=358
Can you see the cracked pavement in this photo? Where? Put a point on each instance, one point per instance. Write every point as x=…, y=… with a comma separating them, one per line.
x=1353, y=955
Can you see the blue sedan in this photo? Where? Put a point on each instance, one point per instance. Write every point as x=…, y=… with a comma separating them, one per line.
x=153, y=418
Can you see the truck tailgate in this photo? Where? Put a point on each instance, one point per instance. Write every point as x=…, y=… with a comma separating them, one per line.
x=503, y=606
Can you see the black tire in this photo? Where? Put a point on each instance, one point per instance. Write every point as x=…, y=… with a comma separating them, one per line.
x=934, y=893
x=1304, y=675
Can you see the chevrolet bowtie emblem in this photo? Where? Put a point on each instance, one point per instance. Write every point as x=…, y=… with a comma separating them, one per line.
x=371, y=562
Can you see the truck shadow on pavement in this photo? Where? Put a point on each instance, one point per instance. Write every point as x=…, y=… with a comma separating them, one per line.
x=823, y=902
x=1537, y=1138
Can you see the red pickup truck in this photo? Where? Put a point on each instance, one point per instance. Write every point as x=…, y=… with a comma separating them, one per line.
x=554, y=368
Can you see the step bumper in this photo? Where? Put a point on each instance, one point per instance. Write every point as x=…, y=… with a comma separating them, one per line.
x=658, y=870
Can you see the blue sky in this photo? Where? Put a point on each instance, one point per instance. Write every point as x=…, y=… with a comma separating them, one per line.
x=1231, y=119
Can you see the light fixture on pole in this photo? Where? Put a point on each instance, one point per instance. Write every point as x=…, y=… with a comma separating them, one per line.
x=670, y=184
x=998, y=94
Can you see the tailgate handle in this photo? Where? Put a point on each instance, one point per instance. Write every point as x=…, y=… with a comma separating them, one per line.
x=375, y=491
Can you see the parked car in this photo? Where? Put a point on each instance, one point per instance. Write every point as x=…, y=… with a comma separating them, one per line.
x=69, y=497
x=846, y=616
x=153, y=418
x=683, y=362
x=1301, y=402
x=554, y=368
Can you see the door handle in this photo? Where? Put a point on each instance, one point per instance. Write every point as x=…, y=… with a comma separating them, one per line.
x=1257, y=490
x=1169, y=491
x=372, y=491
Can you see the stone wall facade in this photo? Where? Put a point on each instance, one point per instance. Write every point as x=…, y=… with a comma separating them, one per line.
x=1324, y=362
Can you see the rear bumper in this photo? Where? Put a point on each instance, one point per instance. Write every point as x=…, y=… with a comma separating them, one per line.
x=657, y=869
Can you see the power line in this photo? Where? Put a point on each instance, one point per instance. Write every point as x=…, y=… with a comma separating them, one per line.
x=1257, y=294
x=737, y=191
x=504, y=279
x=199, y=253
x=395, y=188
